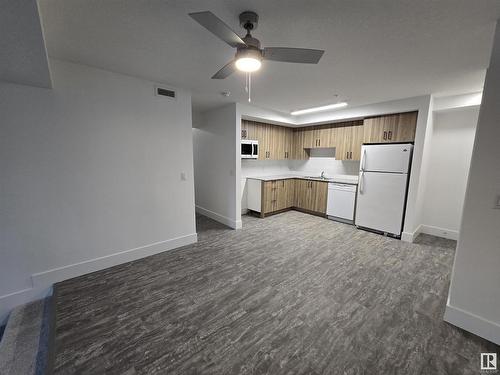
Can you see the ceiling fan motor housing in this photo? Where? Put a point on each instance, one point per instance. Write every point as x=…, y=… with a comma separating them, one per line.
x=249, y=20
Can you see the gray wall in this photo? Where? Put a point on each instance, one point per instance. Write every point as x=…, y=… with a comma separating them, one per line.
x=474, y=297
x=90, y=177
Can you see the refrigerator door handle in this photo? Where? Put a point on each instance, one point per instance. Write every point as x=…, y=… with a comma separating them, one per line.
x=362, y=174
x=364, y=160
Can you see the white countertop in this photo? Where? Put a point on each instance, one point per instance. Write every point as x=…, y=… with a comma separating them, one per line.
x=340, y=178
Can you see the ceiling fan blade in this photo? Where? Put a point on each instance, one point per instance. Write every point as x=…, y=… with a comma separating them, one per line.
x=226, y=70
x=293, y=55
x=217, y=27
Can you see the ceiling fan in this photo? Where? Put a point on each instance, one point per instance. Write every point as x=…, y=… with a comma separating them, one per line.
x=249, y=55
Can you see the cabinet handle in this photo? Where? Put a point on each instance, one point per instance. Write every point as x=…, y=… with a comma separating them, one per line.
x=319, y=142
x=350, y=154
x=385, y=135
x=347, y=155
x=389, y=135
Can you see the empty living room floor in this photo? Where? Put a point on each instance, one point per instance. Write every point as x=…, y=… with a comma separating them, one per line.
x=289, y=294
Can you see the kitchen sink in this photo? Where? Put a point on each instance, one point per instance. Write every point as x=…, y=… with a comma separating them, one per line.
x=318, y=178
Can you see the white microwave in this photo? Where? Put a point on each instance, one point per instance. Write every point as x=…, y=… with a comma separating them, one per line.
x=249, y=149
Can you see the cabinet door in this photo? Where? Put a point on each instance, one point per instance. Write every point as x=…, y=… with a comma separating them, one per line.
x=355, y=142
x=319, y=193
x=380, y=129
x=288, y=143
x=342, y=143
x=301, y=194
x=299, y=152
x=405, y=127
x=373, y=130
x=323, y=136
x=290, y=192
x=252, y=130
x=268, y=197
x=282, y=195
x=278, y=142
x=259, y=134
x=309, y=135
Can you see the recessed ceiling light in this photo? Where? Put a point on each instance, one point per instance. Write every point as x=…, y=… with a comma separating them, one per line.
x=319, y=109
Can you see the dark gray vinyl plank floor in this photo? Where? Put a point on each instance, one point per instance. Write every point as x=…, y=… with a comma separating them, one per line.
x=289, y=294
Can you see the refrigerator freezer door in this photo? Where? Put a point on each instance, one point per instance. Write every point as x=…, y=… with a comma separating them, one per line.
x=381, y=200
x=393, y=158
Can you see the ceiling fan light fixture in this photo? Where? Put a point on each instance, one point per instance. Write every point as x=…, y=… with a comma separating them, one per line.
x=248, y=64
x=248, y=60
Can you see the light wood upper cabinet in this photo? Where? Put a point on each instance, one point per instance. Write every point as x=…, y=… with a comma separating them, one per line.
x=288, y=143
x=349, y=140
x=406, y=127
x=391, y=128
x=281, y=143
x=299, y=150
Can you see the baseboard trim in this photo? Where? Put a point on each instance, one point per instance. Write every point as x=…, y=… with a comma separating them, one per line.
x=439, y=232
x=473, y=323
x=20, y=297
x=410, y=236
x=42, y=281
x=235, y=224
x=77, y=269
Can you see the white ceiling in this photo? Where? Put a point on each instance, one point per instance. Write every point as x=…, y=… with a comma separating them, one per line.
x=375, y=50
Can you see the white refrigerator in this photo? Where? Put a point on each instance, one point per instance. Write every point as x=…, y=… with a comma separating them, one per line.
x=382, y=189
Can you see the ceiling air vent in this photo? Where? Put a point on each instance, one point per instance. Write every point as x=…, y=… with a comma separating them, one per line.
x=162, y=91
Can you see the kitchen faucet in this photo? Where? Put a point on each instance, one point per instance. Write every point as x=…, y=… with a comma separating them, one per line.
x=323, y=174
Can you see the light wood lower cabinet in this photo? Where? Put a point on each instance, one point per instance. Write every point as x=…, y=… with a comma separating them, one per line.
x=279, y=195
x=276, y=195
x=311, y=195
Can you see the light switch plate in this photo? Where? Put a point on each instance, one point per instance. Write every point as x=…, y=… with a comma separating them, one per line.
x=183, y=176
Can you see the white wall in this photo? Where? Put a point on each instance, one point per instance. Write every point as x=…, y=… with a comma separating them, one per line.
x=474, y=297
x=216, y=142
x=452, y=138
x=90, y=177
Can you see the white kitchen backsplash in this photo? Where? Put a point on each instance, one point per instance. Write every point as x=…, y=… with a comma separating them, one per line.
x=315, y=165
x=319, y=160
x=251, y=167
